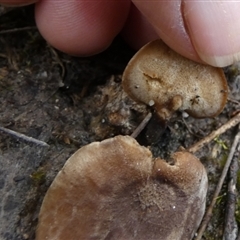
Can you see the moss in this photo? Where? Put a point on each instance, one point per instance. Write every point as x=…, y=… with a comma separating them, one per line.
x=38, y=177
x=221, y=143
x=232, y=71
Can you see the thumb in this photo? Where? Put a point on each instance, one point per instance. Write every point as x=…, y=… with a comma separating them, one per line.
x=206, y=31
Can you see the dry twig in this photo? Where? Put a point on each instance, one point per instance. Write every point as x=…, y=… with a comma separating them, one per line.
x=18, y=30
x=59, y=61
x=4, y=10
x=231, y=123
x=23, y=137
x=208, y=213
x=234, y=101
x=142, y=125
x=231, y=227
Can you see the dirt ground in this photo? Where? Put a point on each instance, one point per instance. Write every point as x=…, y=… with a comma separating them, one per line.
x=68, y=102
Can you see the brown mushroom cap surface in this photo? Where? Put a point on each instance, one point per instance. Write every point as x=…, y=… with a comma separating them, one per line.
x=114, y=189
x=158, y=75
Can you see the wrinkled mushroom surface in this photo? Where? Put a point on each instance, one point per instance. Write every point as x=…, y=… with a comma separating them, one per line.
x=114, y=189
x=158, y=76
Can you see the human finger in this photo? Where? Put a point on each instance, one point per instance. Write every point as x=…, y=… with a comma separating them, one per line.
x=81, y=27
x=137, y=30
x=206, y=31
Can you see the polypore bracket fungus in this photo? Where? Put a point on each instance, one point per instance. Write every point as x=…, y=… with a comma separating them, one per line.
x=114, y=189
x=158, y=76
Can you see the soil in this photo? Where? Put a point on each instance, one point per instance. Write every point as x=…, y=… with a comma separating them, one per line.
x=66, y=103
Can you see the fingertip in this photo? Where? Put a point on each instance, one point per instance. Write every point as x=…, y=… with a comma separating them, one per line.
x=214, y=28
x=137, y=30
x=166, y=17
x=204, y=31
x=81, y=28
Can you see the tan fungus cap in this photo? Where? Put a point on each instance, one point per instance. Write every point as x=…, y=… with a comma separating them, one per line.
x=158, y=76
x=115, y=189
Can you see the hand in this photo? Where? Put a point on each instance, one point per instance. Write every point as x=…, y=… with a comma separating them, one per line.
x=205, y=31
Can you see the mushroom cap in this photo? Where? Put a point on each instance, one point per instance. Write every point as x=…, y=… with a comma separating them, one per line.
x=158, y=74
x=114, y=189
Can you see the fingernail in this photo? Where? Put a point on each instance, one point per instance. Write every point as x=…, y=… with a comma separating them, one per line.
x=214, y=29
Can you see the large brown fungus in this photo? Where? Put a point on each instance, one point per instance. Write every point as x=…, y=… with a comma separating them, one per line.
x=158, y=76
x=115, y=189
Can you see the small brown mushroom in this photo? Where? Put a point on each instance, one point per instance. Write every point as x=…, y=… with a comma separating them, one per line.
x=114, y=189
x=158, y=76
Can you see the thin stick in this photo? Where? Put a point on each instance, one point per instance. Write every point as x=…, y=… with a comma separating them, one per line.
x=59, y=61
x=142, y=125
x=208, y=213
x=238, y=237
x=17, y=30
x=4, y=10
x=189, y=130
x=231, y=123
x=24, y=137
x=234, y=101
x=231, y=226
